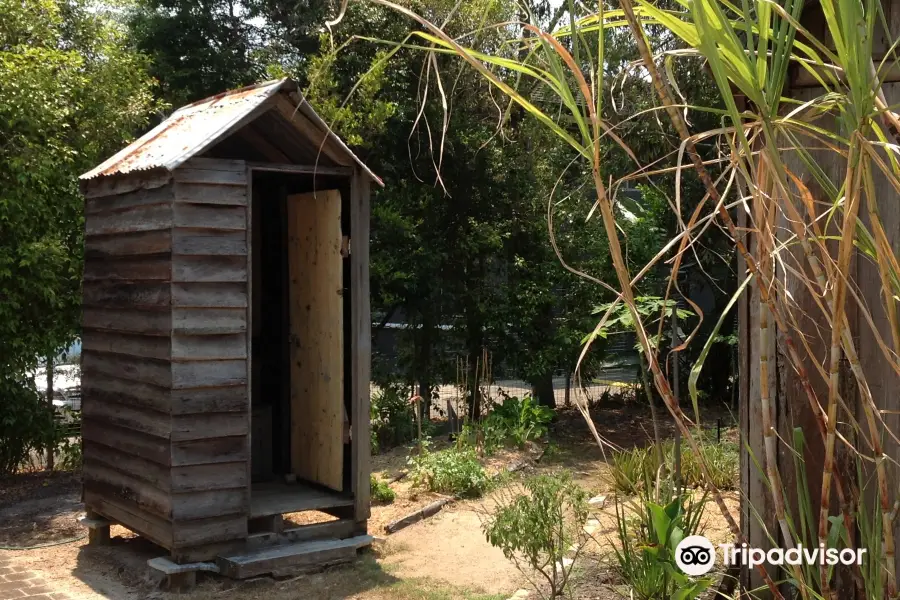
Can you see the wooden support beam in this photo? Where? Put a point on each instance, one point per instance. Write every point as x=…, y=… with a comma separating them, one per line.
x=361, y=339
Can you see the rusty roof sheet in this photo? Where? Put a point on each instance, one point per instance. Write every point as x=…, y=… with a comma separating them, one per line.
x=194, y=128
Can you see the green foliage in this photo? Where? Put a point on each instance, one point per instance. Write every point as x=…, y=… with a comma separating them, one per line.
x=26, y=423
x=197, y=47
x=648, y=534
x=454, y=471
x=393, y=419
x=365, y=113
x=635, y=470
x=515, y=421
x=537, y=528
x=381, y=491
x=73, y=92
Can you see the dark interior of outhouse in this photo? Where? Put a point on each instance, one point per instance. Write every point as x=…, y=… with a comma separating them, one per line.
x=270, y=310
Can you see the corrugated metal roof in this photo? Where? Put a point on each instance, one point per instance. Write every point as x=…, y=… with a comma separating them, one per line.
x=194, y=128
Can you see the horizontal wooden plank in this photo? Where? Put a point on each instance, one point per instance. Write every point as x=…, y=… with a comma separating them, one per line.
x=211, y=451
x=201, y=193
x=140, y=197
x=150, y=448
x=145, y=346
x=212, y=176
x=156, y=268
x=287, y=558
x=209, y=347
x=137, y=218
x=128, y=244
x=203, y=505
x=133, y=418
x=210, y=400
x=126, y=294
x=210, y=243
x=128, y=488
x=202, y=426
x=125, y=183
x=154, y=474
x=209, y=321
x=101, y=387
x=209, y=268
x=156, y=372
x=321, y=170
x=205, y=216
x=206, y=531
x=201, y=478
x=128, y=514
x=208, y=373
x=216, y=164
x=148, y=322
x=209, y=295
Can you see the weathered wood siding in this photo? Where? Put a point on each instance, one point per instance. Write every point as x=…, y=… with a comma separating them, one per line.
x=126, y=369
x=210, y=400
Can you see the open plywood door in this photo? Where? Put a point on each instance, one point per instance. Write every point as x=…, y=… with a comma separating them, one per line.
x=317, y=328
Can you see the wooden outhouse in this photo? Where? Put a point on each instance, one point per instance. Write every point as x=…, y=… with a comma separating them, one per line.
x=226, y=328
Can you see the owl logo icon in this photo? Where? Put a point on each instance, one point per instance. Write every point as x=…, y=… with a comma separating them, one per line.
x=695, y=555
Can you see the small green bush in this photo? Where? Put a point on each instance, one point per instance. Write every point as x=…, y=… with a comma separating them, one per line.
x=381, y=491
x=645, y=555
x=515, y=421
x=535, y=530
x=452, y=471
x=26, y=422
x=632, y=470
x=393, y=419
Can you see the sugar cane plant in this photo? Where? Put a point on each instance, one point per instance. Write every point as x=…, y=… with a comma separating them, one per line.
x=802, y=225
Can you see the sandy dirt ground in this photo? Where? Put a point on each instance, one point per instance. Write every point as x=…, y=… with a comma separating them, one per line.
x=443, y=557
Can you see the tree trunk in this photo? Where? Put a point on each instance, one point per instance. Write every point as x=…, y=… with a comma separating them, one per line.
x=424, y=341
x=50, y=448
x=542, y=389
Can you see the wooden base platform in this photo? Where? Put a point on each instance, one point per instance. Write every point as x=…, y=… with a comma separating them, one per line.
x=290, y=559
x=277, y=498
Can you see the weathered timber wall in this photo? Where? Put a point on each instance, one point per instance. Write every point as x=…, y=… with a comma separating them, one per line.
x=126, y=369
x=210, y=399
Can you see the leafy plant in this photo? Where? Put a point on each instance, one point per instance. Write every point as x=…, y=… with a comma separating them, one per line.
x=381, y=491
x=393, y=419
x=26, y=423
x=452, y=471
x=636, y=469
x=516, y=421
x=645, y=554
x=630, y=470
x=536, y=529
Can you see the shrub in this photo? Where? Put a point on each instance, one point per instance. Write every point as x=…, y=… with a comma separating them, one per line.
x=515, y=421
x=393, y=419
x=381, y=491
x=632, y=469
x=26, y=422
x=452, y=471
x=645, y=555
x=635, y=469
x=535, y=530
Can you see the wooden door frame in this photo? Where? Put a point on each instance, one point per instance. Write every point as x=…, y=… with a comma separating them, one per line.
x=361, y=326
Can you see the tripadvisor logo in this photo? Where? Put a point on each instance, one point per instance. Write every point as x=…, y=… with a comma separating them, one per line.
x=695, y=555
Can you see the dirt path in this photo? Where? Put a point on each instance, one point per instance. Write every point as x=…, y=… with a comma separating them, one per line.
x=451, y=547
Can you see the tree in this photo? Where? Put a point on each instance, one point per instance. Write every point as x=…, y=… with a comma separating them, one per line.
x=197, y=48
x=73, y=92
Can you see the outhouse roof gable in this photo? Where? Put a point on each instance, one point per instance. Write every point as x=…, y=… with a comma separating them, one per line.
x=197, y=127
